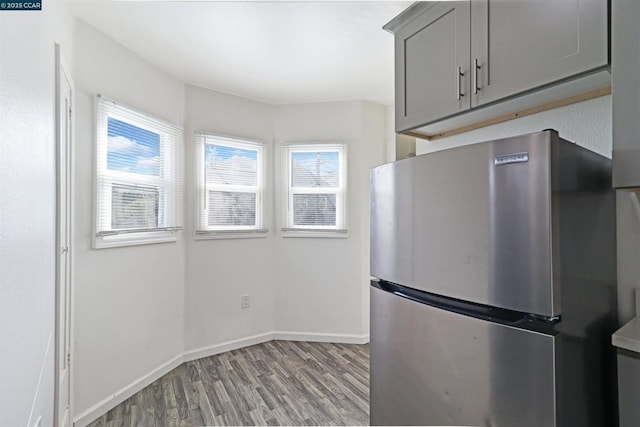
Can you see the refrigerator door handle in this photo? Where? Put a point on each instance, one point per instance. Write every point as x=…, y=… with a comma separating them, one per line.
x=498, y=315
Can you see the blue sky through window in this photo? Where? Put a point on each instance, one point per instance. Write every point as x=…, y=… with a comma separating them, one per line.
x=220, y=153
x=132, y=149
x=327, y=161
x=315, y=169
x=231, y=165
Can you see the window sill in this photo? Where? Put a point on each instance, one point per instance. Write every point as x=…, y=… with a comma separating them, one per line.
x=322, y=234
x=231, y=234
x=134, y=239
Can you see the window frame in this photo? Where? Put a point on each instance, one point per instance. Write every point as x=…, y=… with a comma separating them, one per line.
x=289, y=229
x=167, y=182
x=202, y=230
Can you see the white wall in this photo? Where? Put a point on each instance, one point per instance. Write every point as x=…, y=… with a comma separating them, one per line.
x=27, y=213
x=138, y=309
x=588, y=124
x=220, y=271
x=373, y=153
x=300, y=287
x=128, y=302
x=390, y=133
x=321, y=282
x=398, y=146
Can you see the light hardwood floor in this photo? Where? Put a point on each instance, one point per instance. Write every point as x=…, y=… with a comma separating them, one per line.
x=274, y=383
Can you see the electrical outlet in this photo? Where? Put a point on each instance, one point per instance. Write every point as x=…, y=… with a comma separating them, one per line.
x=245, y=301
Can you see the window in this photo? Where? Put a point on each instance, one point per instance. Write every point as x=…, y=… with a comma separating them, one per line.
x=230, y=186
x=139, y=177
x=316, y=193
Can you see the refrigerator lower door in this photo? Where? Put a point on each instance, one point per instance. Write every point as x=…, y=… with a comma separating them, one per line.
x=437, y=368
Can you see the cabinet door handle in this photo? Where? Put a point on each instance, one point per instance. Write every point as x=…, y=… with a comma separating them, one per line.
x=459, y=94
x=476, y=67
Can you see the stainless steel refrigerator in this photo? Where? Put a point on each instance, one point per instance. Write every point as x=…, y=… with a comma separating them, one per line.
x=495, y=295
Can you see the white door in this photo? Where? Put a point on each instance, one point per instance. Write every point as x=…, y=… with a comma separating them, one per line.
x=63, y=271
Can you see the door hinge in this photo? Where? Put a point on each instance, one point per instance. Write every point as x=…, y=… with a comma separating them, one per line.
x=68, y=359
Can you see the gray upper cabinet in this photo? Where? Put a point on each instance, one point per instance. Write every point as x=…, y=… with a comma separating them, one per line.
x=625, y=69
x=519, y=45
x=452, y=57
x=432, y=65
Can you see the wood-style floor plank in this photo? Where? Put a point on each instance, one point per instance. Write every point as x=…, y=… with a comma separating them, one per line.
x=273, y=383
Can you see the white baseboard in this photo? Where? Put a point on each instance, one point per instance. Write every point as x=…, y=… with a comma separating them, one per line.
x=123, y=394
x=321, y=337
x=227, y=346
x=126, y=392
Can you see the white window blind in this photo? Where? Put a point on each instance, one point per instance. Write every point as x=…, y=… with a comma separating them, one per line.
x=230, y=184
x=139, y=174
x=316, y=179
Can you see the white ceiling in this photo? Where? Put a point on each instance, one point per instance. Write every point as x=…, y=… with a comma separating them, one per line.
x=275, y=52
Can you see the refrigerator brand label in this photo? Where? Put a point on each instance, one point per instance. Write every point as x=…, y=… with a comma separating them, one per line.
x=511, y=158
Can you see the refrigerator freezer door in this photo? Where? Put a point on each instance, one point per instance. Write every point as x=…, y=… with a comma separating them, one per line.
x=434, y=367
x=472, y=223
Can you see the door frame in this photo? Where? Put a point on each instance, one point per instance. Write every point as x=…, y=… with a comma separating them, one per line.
x=62, y=71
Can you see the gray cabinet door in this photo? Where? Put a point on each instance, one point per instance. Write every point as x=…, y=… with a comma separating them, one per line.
x=520, y=45
x=432, y=65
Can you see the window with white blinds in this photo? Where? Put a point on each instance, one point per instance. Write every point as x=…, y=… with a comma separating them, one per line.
x=139, y=177
x=316, y=179
x=230, y=186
